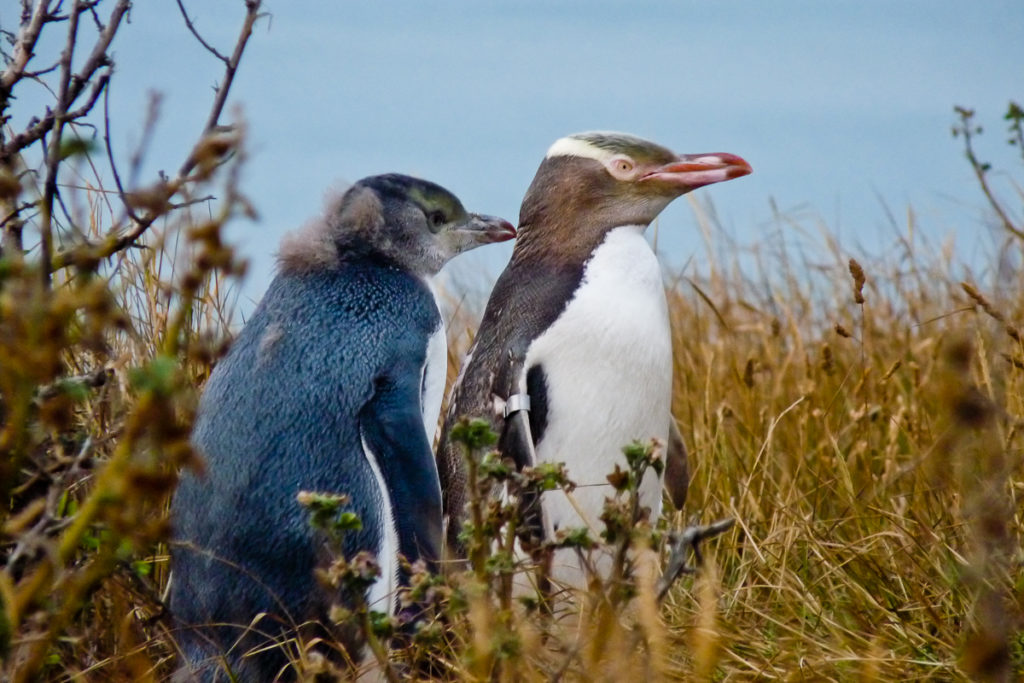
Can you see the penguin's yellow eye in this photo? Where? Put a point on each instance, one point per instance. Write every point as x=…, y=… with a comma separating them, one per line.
x=621, y=168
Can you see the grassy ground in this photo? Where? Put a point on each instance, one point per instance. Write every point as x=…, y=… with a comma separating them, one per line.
x=860, y=421
x=866, y=435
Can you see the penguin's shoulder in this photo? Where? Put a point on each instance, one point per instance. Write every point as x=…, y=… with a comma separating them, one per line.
x=378, y=308
x=526, y=300
x=315, y=334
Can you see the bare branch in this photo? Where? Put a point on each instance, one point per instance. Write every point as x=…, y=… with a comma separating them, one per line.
x=188, y=22
x=53, y=154
x=89, y=380
x=682, y=543
x=35, y=75
x=95, y=15
x=15, y=212
x=148, y=129
x=24, y=46
x=193, y=202
x=40, y=127
x=98, y=57
x=70, y=88
x=76, y=83
x=252, y=13
x=110, y=156
x=160, y=195
x=967, y=129
x=10, y=39
x=48, y=522
x=114, y=242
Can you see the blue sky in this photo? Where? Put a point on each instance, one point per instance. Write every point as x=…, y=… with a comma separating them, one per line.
x=837, y=105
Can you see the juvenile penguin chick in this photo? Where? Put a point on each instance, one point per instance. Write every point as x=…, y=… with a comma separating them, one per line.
x=578, y=325
x=334, y=385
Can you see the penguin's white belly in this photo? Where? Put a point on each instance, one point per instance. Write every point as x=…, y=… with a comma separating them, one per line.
x=382, y=594
x=435, y=371
x=607, y=360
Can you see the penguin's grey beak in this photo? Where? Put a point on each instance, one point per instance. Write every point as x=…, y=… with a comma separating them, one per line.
x=690, y=171
x=480, y=229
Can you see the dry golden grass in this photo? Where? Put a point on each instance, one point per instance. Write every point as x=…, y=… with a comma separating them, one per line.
x=870, y=454
x=99, y=374
x=860, y=419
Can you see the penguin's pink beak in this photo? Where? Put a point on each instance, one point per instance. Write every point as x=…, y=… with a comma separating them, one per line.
x=489, y=229
x=690, y=171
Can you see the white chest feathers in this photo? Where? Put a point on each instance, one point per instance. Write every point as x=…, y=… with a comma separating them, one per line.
x=435, y=371
x=433, y=376
x=607, y=360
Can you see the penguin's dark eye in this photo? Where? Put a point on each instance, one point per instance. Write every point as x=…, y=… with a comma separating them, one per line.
x=436, y=219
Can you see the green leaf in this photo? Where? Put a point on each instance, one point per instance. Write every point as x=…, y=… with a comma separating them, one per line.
x=125, y=550
x=74, y=390
x=494, y=467
x=549, y=476
x=75, y=146
x=475, y=433
x=501, y=561
x=575, y=537
x=158, y=376
x=348, y=521
x=382, y=624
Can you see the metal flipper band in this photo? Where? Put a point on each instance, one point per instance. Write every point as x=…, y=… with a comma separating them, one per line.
x=517, y=402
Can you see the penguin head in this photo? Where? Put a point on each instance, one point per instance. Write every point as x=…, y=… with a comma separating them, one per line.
x=415, y=224
x=597, y=181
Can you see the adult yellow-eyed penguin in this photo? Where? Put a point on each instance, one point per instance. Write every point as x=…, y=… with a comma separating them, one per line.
x=576, y=331
x=334, y=385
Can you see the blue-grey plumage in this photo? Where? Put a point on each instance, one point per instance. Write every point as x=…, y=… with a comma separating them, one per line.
x=325, y=389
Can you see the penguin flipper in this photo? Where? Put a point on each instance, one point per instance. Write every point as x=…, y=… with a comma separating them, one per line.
x=517, y=443
x=677, y=470
x=391, y=425
x=522, y=430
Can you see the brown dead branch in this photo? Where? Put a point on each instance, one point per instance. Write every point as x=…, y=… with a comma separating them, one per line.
x=683, y=542
x=117, y=240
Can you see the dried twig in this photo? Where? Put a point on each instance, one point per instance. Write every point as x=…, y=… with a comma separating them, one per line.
x=41, y=127
x=191, y=27
x=231, y=67
x=682, y=542
x=110, y=156
x=95, y=74
x=71, y=86
x=48, y=522
x=967, y=129
x=160, y=195
x=90, y=380
x=53, y=152
x=24, y=47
